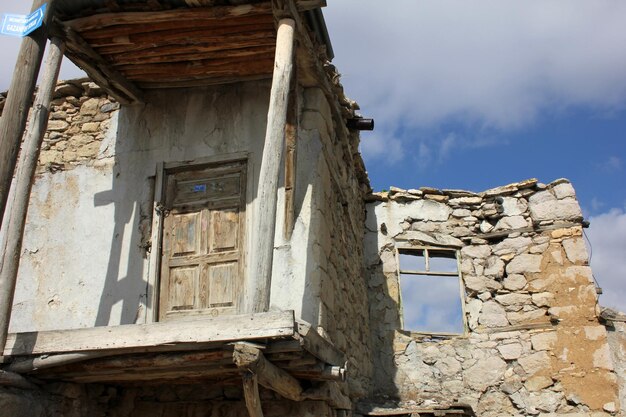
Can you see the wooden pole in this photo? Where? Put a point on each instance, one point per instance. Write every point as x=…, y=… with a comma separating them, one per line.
x=12, y=241
x=19, y=100
x=251, y=395
x=265, y=205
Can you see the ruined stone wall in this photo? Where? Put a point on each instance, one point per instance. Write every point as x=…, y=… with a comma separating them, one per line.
x=533, y=343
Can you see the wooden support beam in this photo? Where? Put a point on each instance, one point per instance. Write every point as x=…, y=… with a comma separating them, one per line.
x=264, y=223
x=142, y=337
x=9, y=379
x=251, y=395
x=318, y=346
x=11, y=246
x=248, y=358
x=291, y=144
x=98, y=69
x=19, y=100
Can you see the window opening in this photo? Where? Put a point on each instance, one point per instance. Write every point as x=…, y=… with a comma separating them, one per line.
x=431, y=291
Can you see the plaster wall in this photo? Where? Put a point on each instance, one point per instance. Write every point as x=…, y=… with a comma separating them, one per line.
x=85, y=258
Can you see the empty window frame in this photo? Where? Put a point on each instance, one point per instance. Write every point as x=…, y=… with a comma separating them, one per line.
x=431, y=292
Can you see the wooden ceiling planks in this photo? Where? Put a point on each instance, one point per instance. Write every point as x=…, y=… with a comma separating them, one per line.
x=188, y=46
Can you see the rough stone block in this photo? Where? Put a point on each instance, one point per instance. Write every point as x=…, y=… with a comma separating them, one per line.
x=576, y=250
x=535, y=362
x=525, y=263
x=510, y=351
x=485, y=373
x=493, y=315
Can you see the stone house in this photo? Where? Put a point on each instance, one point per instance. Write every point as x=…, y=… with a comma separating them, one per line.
x=201, y=240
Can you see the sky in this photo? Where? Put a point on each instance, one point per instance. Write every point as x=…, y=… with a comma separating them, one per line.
x=473, y=95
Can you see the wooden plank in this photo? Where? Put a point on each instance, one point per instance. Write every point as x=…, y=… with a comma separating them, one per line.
x=201, y=81
x=11, y=247
x=18, y=102
x=104, y=20
x=265, y=205
x=94, y=37
x=188, y=34
x=318, y=346
x=250, y=359
x=251, y=395
x=192, y=53
x=184, y=332
x=229, y=65
x=261, y=36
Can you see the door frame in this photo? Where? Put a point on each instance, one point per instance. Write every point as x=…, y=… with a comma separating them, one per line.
x=156, y=239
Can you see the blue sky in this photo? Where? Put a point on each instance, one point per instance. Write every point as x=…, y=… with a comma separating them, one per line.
x=473, y=95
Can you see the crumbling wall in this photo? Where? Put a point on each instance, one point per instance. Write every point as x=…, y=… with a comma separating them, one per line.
x=533, y=345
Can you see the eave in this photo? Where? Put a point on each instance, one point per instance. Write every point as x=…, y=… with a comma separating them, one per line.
x=130, y=46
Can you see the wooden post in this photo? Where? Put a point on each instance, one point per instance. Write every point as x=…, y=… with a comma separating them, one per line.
x=291, y=136
x=19, y=100
x=251, y=395
x=264, y=221
x=12, y=241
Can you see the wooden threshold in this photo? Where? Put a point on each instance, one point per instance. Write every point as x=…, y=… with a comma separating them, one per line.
x=155, y=335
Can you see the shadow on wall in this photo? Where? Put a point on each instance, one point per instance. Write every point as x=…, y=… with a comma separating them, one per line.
x=130, y=242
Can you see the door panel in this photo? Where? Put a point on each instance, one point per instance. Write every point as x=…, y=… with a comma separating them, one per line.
x=202, y=260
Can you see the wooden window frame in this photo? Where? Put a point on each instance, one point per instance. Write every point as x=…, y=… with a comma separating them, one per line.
x=457, y=255
x=154, y=259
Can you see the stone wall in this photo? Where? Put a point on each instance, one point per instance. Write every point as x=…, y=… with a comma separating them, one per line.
x=533, y=343
x=337, y=237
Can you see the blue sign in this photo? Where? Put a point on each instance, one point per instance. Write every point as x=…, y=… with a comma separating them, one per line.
x=22, y=25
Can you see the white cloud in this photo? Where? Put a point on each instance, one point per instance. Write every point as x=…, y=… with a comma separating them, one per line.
x=498, y=64
x=383, y=147
x=607, y=235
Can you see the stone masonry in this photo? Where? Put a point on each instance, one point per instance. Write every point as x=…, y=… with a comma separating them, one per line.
x=534, y=344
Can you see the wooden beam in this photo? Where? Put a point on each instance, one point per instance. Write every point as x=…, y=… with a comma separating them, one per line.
x=319, y=347
x=19, y=100
x=201, y=81
x=291, y=144
x=98, y=68
x=251, y=395
x=145, y=336
x=251, y=359
x=9, y=379
x=264, y=223
x=11, y=246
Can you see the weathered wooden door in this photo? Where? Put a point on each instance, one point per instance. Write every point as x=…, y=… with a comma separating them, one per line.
x=203, y=239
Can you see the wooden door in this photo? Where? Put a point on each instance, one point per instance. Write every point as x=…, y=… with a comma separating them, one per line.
x=203, y=236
